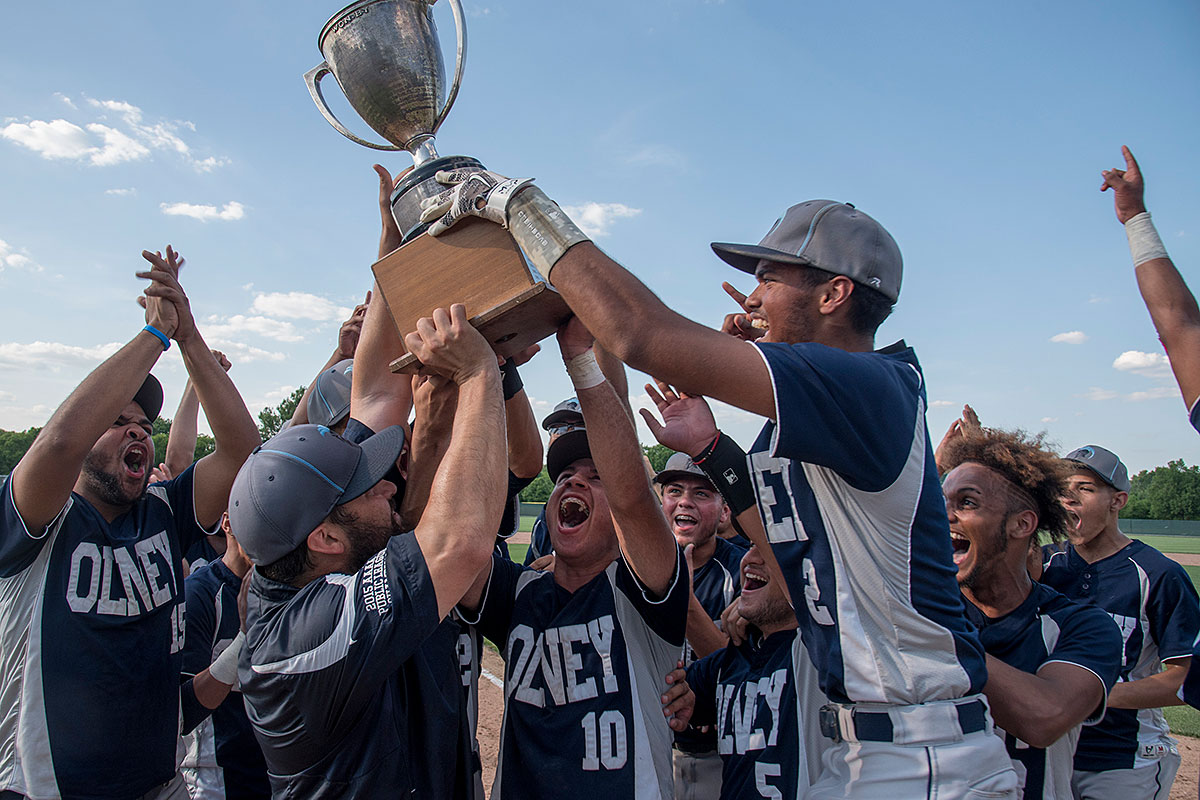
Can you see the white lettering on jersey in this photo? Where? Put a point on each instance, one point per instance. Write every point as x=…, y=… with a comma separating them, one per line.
x=740, y=729
x=555, y=655
x=377, y=595
x=605, y=743
x=812, y=593
x=466, y=657
x=771, y=476
x=1127, y=625
x=141, y=582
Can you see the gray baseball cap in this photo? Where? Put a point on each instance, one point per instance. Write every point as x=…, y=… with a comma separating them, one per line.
x=567, y=412
x=329, y=402
x=679, y=464
x=1104, y=463
x=290, y=483
x=828, y=235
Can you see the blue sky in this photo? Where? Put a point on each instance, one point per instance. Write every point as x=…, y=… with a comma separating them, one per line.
x=974, y=132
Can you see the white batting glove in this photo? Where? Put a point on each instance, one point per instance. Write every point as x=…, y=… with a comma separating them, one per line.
x=472, y=193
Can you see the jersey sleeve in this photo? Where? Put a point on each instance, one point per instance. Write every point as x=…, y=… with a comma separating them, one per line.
x=200, y=622
x=539, y=540
x=666, y=616
x=19, y=546
x=494, y=616
x=1194, y=415
x=178, y=494
x=1174, y=612
x=855, y=413
x=1089, y=638
x=702, y=679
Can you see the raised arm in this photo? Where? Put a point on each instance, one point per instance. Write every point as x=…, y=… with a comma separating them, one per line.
x=348, y=336
x=435, y=399
x=181, y=442
x=642, y=530
x=1039, y=709
x=1171, y=304
x=233, y=428
x=623, y=314
x=458, y=529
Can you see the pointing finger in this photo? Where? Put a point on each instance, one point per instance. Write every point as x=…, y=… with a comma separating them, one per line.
x=735, y=294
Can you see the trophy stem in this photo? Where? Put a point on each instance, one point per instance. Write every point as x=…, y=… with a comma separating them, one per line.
x=424, y=152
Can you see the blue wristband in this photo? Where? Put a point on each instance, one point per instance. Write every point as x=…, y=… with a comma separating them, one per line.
x=162, y=337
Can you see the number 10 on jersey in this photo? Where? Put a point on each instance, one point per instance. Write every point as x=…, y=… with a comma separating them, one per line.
x=604, y=742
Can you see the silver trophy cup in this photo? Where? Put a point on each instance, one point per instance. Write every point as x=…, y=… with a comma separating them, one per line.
x=385, y=56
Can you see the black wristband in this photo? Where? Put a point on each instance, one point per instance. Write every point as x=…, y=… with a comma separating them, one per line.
x=512, y=379
x=725, y=465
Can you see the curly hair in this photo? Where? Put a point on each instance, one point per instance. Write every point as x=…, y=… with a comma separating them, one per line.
x=1026, y=462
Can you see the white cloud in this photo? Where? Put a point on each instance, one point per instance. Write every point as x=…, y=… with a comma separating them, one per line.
x=55, y=139
x=274, y=396
x=7, y=397
x=1096, y=393
x=595, y=219
x=1049, y=419
x=66, y=100
x=120, y=192
x=54, y=355
x=298, y=305
x=241, y=353
x=1070, y=337
x=1157, y=393
x=941, y=403
x=224, y=328
x=15, y=258
x=1097, y=299
x=117, y=147
x=1150, y=365
x=656, y=155
x=232, y=210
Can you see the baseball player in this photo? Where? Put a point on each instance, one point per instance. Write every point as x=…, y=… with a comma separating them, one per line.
x=586, y=646
x=1130, y=753
x=849, y=510
x=565, y=417
x=349, y=674
x=91, y=625
x=761, y=696
x=1051, y=661
x=696, y=510
x=223, y=760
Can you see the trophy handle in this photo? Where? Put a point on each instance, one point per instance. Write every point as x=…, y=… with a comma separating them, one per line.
x=313, y=79
x=460, y=58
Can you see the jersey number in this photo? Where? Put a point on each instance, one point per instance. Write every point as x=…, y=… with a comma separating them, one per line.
x=604, y=744
x=763, y=771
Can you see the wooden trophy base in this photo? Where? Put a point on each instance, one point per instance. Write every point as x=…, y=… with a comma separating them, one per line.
x=479, y=265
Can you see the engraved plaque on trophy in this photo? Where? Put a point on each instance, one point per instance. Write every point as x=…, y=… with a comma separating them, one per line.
x=386, y=57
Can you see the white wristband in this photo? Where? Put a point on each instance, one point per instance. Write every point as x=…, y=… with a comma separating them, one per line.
x=224, y=667
x=1144, y=241
x=584, y=371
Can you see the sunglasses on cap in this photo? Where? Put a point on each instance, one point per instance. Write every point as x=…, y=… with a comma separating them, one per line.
x=559, y=430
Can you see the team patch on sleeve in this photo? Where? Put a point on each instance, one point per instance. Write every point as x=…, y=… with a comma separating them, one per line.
x=377, y=595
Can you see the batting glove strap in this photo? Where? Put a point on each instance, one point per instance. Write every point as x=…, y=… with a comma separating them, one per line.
x=725, y=465
x=542, y=229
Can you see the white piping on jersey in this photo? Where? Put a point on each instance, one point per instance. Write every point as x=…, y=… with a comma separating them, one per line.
x=330, y=651
x=24, y=727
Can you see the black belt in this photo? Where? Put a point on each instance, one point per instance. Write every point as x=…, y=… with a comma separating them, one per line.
x=876, y=726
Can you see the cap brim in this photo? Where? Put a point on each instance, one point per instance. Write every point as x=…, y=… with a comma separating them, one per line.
x=379, y=454
x=563, y=417
x=569, y=447
x=150, y=397
x=666, y=476
x=746, y=256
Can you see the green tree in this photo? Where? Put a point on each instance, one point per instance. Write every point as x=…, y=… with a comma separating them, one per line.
x=270, y=420
x=13, y=445
x=539, y=490
x=1170, y=492
x=658, y=455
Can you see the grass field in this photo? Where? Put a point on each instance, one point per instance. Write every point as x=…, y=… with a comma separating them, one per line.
x=516, y=552
x=1173, y=544
x=526, y=525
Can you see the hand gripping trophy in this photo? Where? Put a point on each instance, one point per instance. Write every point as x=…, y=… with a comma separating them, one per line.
x=386, y=57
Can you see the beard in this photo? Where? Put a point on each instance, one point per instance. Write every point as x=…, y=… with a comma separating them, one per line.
x=366, y=539
x=107, y=486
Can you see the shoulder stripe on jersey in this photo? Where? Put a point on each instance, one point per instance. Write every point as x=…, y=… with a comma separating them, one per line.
x=55, y=523
x=774, y=394
x=330, y=651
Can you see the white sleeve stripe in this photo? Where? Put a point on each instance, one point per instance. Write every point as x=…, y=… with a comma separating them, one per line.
x=328, y=652
x=774, y=387
x=52, y=525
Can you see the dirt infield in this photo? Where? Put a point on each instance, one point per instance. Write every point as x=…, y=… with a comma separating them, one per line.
x=1186, y=559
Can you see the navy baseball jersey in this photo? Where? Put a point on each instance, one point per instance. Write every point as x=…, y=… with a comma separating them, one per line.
x=850, y=499
x=762, y=698
x=584, y=673
x=715, y=585
x=352, y=684
x=1153, y=602
x=223, y=759
x=91, y=640
x=1048, y=628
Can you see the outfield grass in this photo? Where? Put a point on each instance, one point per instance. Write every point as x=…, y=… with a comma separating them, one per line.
x=516, y=552
x=526, y=525
x=1172, y=544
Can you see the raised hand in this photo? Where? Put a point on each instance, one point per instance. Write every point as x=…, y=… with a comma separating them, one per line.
x=351, y=329
x=390, y=236
x=733, y=623
x=166, y=305
x=688, y=425
x=223, y=360
x=1128, y=187
x=449, y=345
x=574, y=338
x=472, y=193
x=966, y=425
x=679, y=701
x=739, y=325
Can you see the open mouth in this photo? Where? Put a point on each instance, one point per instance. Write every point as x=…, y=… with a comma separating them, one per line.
x=684, y=522
x=753, y=579
x=961, y=544
x=135, y=461
x=572, y=513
